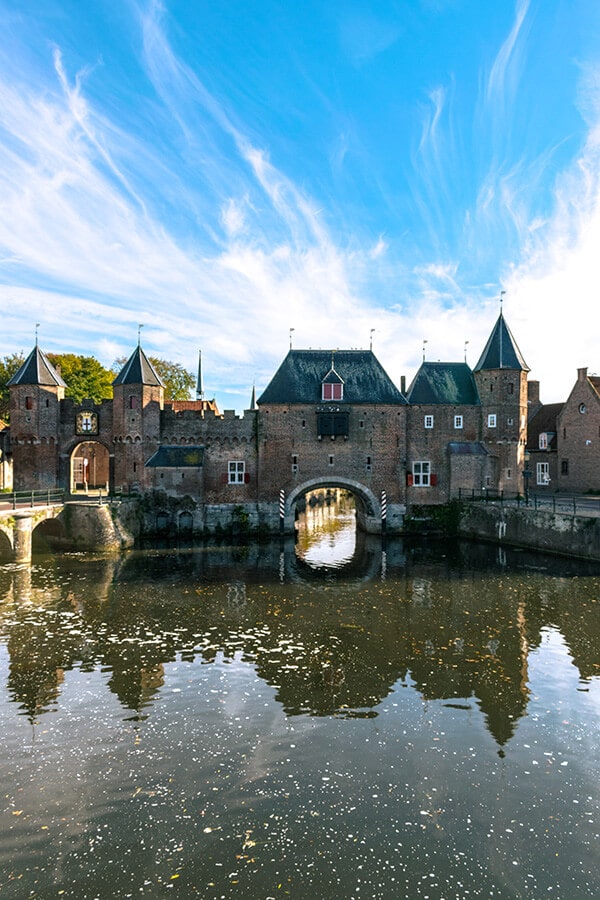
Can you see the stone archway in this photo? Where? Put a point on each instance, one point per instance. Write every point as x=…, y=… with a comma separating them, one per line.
x=89, y=467
x=368, y=507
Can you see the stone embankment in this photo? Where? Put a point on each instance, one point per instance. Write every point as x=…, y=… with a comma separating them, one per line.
x=534, y=529
x=105, y=528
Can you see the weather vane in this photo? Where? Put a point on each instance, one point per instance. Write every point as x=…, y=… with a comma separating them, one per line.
x=291, y=332
x=502, y=293
x=140, y=334
x=371, y=338
x=37, y=325
x=466, y=342
x=425, y=341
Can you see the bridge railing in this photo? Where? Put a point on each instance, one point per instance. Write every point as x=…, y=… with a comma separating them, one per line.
x=32, y=498
x=567, y=505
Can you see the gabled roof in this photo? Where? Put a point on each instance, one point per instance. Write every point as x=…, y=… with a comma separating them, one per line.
x=501, y=351
x=543, y=422
x=333, y=377
x=37, y=369
x=187, y=457
x=302, y=372
x=439, y=382
x=138, y=370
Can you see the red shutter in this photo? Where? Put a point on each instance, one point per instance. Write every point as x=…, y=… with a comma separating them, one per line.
x=246, y=477
x=433, y=480
x=409, y=479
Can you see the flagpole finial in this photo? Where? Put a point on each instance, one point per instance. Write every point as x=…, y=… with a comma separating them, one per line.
x=140, y=334
x=425, y=341
x=37, y=325
x=371, y=338
x=291, y=332
x=466, y=342
x=502, y=293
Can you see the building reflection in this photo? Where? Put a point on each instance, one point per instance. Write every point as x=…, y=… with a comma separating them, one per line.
x=457, y=628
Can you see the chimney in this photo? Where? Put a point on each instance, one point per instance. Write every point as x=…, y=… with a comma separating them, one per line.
x=403, y=384
x=582, y=374
x=533, y=393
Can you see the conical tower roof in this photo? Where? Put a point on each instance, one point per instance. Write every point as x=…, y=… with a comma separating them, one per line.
x=138, y=370
x=37, y=369
x=501, y=350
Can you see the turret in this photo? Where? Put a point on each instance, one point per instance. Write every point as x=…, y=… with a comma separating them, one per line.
x=138, y=398
x=36, y=390
x=501, y=378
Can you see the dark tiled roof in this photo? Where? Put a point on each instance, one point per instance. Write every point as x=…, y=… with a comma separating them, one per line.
x=594, y=380
x=37, y=369
x=438, y=382
x=501, y=351
x=138, y=370
x=543, y=422
x=301, y=374
x=466, y=448
x=190, y=457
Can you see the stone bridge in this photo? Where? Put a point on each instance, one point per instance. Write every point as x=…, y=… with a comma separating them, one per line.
x=81, y=525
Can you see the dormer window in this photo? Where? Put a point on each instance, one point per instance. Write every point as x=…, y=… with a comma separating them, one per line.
x=332, y=386
x=333, y=391
x=543, y=441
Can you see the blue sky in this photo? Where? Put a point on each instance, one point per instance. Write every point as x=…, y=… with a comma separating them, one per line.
x=222, y=172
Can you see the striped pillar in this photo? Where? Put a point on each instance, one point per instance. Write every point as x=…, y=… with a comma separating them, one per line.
x=383, y=512
x=281, y=509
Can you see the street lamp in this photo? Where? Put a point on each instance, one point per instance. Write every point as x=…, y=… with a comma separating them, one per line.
x=526, y=477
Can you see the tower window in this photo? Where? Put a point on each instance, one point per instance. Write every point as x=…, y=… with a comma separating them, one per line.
x=28, y=402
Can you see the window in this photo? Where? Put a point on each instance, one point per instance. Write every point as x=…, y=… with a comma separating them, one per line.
x=428, y=421
x=510, y=387
x=422, y=473
x=237, y=471
x=509, y=474
x=458, y=421
x=564, y=467
x=543, y=441
x=294, y=463
x=28, y=402
x=333, y=391
x=543, y=473
x=582, y=408
x=492, y=420
x=330, y=459
x=510, y=421
x=133, y=403
x=332, y=424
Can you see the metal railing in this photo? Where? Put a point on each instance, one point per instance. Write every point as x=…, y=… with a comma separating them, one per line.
x=566, y=505
x=32, y=498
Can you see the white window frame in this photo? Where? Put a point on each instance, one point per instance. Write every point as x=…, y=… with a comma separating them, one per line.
x=458, y=421
x=543, y=441
x=542, y=473
x=236, y=471
x=422, y=473
x=491, y=420
x=330, y=389
x=428, y=421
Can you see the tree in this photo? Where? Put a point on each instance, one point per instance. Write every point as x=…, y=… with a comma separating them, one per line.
x=8, y=367
x=178, y=382
x=85, y=377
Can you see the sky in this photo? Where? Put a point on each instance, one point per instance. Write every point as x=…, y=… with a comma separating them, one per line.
x=360, y=172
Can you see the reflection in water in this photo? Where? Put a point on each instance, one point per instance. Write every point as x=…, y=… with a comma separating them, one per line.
x=222, y=719
x=326, y=536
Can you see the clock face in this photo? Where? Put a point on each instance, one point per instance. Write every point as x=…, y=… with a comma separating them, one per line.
x=582, y=408
x=86, y=423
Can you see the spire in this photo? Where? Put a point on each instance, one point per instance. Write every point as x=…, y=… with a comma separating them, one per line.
x=253, y=398
x=138, y=370
x=37, y=369
x=199, y=384
x=501, y=350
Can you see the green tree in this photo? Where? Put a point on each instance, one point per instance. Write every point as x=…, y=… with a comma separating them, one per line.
x=178, y=382
x=84, y=376
x=8, y=366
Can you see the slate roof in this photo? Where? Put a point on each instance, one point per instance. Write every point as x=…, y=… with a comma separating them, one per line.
x=37, y=369
x=188, y=457
x=439, y=382
x=501, y=351
x=302, y=372
x=466, y=448
x=138, y=370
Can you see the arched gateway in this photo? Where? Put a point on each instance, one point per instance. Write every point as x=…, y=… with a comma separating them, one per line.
x=368, y=507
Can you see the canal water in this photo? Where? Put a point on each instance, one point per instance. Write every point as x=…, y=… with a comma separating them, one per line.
x=328, y=720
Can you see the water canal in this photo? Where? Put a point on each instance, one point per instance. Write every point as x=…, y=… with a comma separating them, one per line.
x=419, y=722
